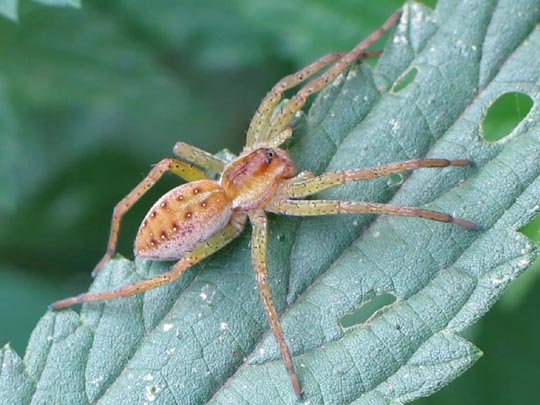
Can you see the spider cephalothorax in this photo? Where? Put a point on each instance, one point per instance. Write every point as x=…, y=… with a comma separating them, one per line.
x=196, y=219
x=252, y=179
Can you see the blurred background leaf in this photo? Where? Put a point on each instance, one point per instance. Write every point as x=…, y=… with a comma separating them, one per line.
x=9, y=8
x=91, y=97
x=84, y=116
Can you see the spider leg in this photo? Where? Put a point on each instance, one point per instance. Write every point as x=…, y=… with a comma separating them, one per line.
x=295, y=104
x=204, y=250
x=298, y=189
x=257, y=131
x=259, y=242
x=182, y=169
x=275, y=142
x=282, y=137
x=331, y=207
x=198, y=156
x=259, y=121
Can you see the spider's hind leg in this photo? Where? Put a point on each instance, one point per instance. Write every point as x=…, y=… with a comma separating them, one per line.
x=205, y=249
x=333, y=207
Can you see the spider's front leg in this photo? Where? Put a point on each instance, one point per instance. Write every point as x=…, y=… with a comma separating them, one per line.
x=282, y=120
x=182, y=169
x=202, y=251
x=258, y=131
x=259, y=243
x=259, y=122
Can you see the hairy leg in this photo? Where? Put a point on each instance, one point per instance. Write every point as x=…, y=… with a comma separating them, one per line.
x=282, y=137
x=258, y=127
x=331, y=207
x=259, y=242
x=198, y=156
x=273, y=98
x=297, y=189
x=279, y=122
x=204, y=250
x=182, y=169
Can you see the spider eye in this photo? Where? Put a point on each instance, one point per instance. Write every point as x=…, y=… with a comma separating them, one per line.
x=270, y=154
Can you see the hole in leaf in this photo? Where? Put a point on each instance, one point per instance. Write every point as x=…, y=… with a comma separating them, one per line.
x=395, y=179
x=532, y=229
x=505, y=114
x=404, y=80
x=366, y=310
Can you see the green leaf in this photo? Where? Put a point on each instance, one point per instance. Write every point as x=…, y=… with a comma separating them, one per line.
x=71, y=3
x=9, y=150
x=186, y=342
x=8, y=8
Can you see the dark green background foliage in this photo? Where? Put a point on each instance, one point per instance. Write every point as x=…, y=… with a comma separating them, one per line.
x=91, y=97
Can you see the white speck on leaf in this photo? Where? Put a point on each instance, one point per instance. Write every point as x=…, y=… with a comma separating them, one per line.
x=208, y=291
x=400, y=39
x=338, y=80
x=148, y=377
x=395, y=124
x=501, y=279
x=97, y=380
x=151, y=391
x=167, y=327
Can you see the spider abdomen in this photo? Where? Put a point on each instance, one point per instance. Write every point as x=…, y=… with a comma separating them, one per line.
x=181, y=219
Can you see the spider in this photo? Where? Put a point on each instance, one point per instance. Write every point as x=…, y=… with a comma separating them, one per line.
x=196, y=219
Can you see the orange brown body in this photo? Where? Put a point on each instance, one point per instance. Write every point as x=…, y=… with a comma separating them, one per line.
x=193, y=212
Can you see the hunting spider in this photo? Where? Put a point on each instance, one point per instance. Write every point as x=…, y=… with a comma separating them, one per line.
x=194, y=220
